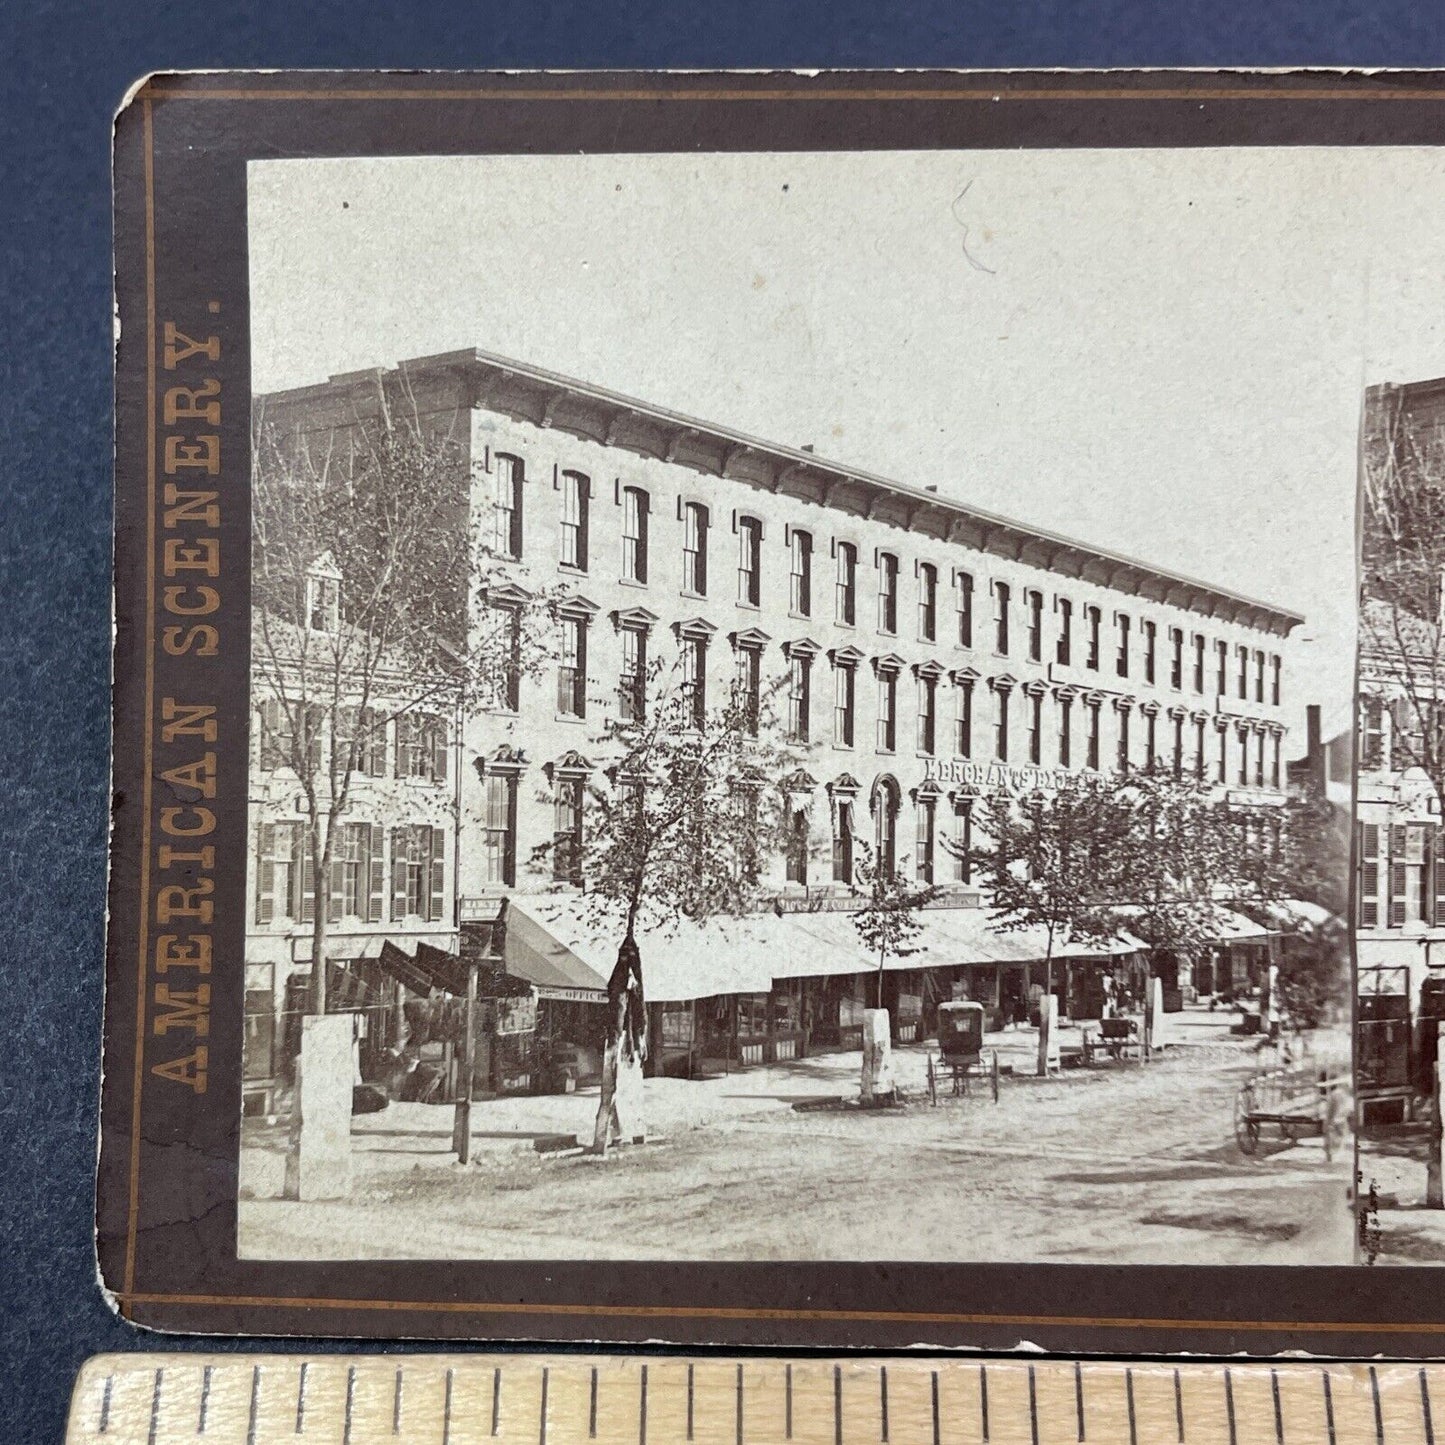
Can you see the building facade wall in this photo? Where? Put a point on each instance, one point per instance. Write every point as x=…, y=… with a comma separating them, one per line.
x=558, y=431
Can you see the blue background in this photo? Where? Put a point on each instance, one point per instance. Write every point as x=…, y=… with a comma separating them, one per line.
x=66, y=68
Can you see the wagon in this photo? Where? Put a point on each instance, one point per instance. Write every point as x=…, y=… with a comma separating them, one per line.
x=1297, y=1104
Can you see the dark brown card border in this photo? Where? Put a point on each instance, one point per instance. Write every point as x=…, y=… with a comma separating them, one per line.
x=167, y=1194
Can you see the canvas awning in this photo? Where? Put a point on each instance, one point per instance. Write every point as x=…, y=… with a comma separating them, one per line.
x=689, y=961
x=432, y=968
x=532, y=953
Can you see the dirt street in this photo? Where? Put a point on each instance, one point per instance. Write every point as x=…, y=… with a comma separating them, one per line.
x=1117, y=1164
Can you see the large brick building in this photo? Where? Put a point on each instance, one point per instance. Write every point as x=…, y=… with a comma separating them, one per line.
x=928, y=652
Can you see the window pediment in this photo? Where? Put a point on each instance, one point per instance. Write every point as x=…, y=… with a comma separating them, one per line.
x=1004, y=682
x=571, y=764
x=845, y=786
x=801, y=647
x=890, y=662
x=849, y=657
x=577, y=606
x=930, y=669
x=638, y=619
x=752, y=638
x=965, y=676
x=800, y=780
x=503, y=759
x=506, y=594
x=694, y=627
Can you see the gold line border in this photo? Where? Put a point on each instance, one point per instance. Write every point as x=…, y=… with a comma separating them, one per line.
x=492, y=1307
x=138, y=1077
x=150, y=93
x=710, y=95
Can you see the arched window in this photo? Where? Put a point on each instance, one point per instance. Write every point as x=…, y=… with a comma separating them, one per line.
x=886, y=798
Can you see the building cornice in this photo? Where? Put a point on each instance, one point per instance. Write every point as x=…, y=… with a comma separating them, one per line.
x=549, y=399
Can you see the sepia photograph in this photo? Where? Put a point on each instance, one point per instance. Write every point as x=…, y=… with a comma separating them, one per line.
x=803, y=707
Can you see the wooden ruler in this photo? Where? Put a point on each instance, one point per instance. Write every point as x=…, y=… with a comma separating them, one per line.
x=161, y=1399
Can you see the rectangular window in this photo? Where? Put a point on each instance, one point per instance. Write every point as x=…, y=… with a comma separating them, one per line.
x=417, y=864
x=1000, y=618
x=800, y=573
x=694, y=548
x=845, y=688
x=963, y=720
x=499, y=840
x=1176, y=750
x=1035, y=603
x=1000, y=732
x=632, y=685
x=1151, y=637
x=572, y=670
x=749, y=688
x=636, y=507
x=1199, y=759
x=1122, y=755
x=923, y=840
x=1176, y=658
x=1091, y=653
x=1258, y=676
x=1242, y=654
x=576, y=499
x=360, y=742
x=1063, y=650
x=797, y=860
x=927, y=602
x=1222, y=773
x=887, y=712
x=1274, y=769
x=1066, y=724
x=1121, y=660
x=1036, y=727
x=507, y=636
x=963, y=600
x=1259, y=760
x=1274, y=671
x=1091, y=754
x=843, y=842
x=567, y=832
x=1221, y=682
x=750, y=561
x=507, y=537
x=1242, y=738
x=800, y=669
x=323, y=603
x=354, y=870
x=278, y=871
x=887, y=592
x=421, y=747
x=962, y=840
x=927, y=727
x=1151, y=740
x=1369, y=851
x=847, y=585
x=1198, y=662
x=694, y=680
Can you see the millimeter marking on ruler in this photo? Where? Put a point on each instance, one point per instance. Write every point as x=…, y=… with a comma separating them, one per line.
x=162, y=1399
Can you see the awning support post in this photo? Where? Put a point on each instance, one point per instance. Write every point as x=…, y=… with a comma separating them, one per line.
x=462, y=1124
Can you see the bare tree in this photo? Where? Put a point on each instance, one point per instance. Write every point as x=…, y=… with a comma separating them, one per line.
x=365, y=561
x=1402, y=616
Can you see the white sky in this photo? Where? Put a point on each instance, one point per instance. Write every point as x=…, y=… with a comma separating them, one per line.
x=1159, y=352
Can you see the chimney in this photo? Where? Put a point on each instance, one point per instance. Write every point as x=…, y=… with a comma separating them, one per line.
x=806, y=447
x=1312, y=729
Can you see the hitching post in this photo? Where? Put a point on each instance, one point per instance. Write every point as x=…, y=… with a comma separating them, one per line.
x=462, y=1124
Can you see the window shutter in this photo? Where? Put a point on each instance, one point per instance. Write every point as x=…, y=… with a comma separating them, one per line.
x=439, y=750
x=509, y=858
x=376, y=882
x=1370, y=875
x=398, y=874
x=336, y=893
x=515, y=537
x=265, y=872
x=438, y=874
x=643, y=507
x=403, y=732
x=308, y=878
x=375, y=744
x=584, y=513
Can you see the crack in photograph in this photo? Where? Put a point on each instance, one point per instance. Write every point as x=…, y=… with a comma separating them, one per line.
x=803, y=707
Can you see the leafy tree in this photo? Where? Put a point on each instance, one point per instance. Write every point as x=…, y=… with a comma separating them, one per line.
x=685, y=813
x=888, y=921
